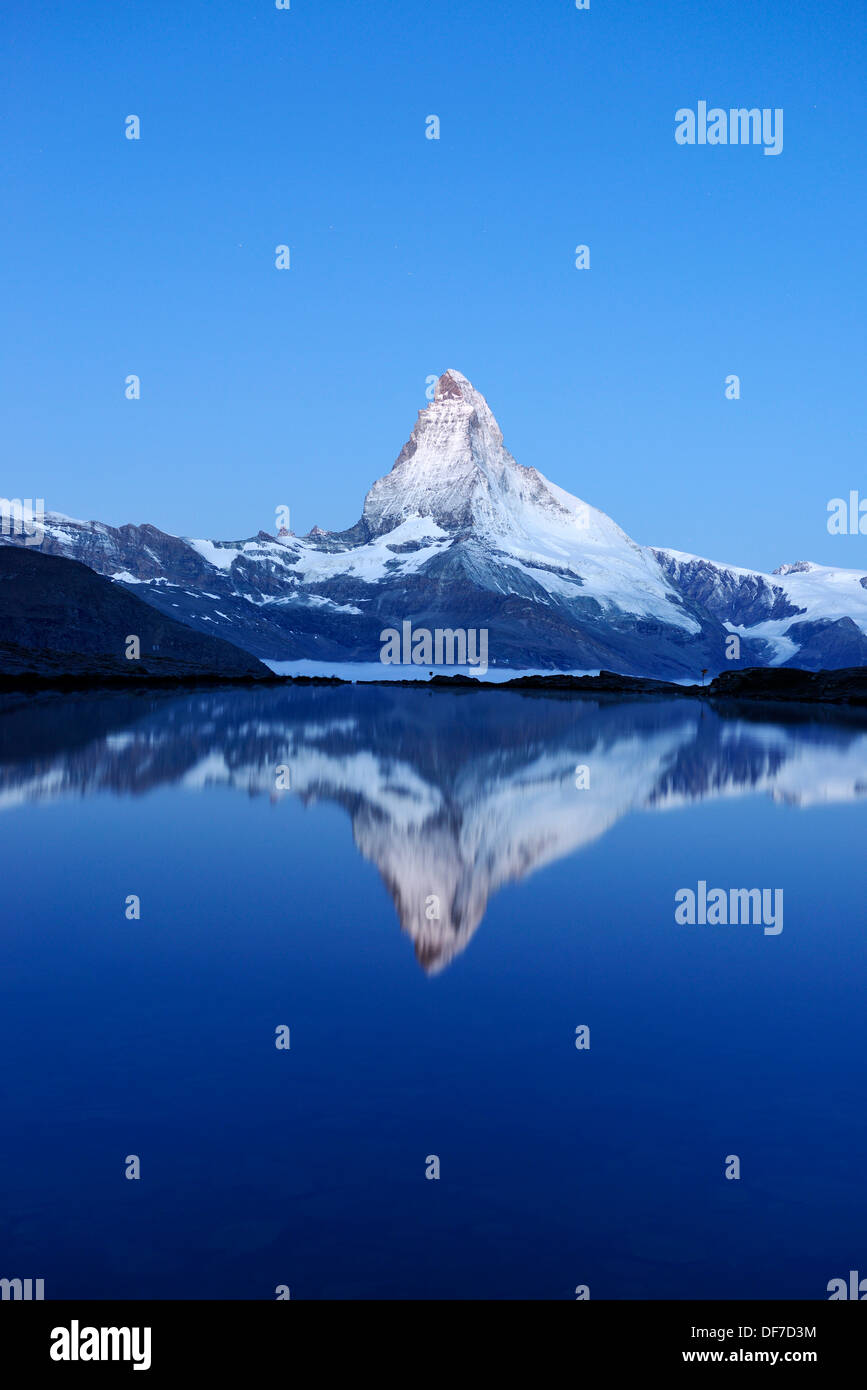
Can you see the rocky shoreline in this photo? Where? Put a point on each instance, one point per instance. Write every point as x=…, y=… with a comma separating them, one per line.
x=847, y=686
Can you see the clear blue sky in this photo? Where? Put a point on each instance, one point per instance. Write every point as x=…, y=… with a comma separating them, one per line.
x=306, y=127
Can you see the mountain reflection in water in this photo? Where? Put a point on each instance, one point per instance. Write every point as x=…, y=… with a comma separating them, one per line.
x=451, y=795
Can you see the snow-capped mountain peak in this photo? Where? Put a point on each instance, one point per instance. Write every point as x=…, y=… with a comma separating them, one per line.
x=455, y=474
x=453, y=468
x=799, y=567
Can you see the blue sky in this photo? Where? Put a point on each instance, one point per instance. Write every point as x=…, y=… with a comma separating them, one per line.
x=307, y=127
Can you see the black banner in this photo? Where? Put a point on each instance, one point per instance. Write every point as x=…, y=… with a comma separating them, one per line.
x=228, y=1338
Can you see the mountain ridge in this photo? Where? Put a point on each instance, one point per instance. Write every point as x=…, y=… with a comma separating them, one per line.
x=458, y=534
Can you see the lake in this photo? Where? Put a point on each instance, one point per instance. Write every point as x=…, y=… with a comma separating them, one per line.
x=430, y=896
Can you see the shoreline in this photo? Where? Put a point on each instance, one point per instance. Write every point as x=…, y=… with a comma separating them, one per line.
x=846, y=686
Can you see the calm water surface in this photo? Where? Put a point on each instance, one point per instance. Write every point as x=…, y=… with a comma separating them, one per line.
x=413, y=1035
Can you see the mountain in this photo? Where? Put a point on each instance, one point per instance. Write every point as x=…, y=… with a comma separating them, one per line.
x=459, y=535
x=455, y=795
x=810, y=616
x=59, y=619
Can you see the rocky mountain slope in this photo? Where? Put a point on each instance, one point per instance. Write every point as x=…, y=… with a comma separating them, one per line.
x=59, y=619
x=806, y=615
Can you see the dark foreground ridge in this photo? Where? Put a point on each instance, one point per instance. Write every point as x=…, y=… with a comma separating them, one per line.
x=61, y=624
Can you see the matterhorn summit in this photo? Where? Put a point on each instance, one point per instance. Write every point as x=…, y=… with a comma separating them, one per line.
x=455, y=470
x=452, y=469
